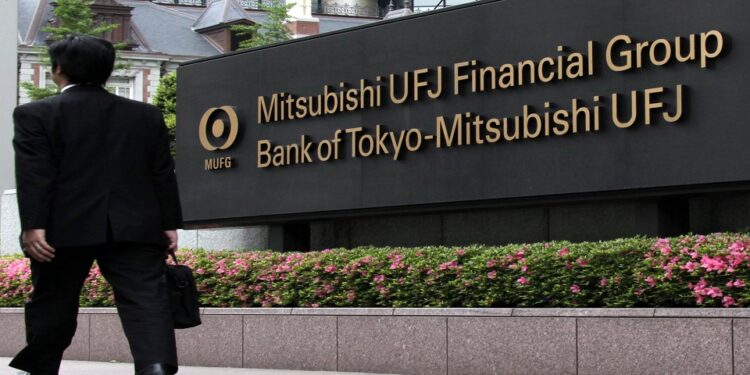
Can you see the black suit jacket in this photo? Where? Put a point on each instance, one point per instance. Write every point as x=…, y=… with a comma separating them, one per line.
x=88, y=160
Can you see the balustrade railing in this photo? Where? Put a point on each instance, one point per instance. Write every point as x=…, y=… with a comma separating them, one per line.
x=348, y=10
x=322, y=9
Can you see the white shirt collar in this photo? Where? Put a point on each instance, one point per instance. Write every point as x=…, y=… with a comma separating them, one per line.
x=67, y=87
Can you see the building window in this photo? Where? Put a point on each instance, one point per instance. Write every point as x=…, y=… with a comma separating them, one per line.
x=121, y=86
x=48, y=82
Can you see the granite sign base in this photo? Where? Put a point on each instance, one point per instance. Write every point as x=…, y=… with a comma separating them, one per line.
x=431, y=341
x=575, y=221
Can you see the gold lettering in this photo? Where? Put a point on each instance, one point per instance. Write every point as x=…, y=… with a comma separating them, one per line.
x=268, y=112
x=678, y=111
x=264, y=153
x=633, y=110
x=705, y=54
x=649, y=103
x=626, y=54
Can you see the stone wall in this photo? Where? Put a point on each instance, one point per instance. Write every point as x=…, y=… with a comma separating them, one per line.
x=437, y=341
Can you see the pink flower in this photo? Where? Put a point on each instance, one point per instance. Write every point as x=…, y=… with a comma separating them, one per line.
x=563, y=252
x=523, y=281
x=200, y=271
x=447, y=265
x=689, y=266
x=650, y=281
x=728, y=301
x=575, y=288
x=241, y=263
x=713, y=264
x=714, y=292
x=582, y=262
x=327, y=251
x=737, y=246
x=524, y=268
x=397, y=264
x=492, y=275
x=699, y=299
x=379, y=278
x=491, y=263
x=460, y=252
x=668, y=274
x=604, y=281
x=739, y=283
x=663, y=245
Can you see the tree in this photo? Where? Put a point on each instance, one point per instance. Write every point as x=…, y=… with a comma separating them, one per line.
x=74, y=17
x=272, y=30
x=166, y=100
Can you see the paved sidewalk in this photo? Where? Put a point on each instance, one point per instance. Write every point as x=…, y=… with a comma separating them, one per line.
x=98, y=368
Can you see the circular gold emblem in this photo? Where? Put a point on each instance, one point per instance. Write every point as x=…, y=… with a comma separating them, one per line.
x=218, y=128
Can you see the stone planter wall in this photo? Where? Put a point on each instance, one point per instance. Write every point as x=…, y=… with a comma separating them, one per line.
x=437, y=341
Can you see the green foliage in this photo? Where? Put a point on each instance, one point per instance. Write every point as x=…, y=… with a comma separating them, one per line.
x=633, y=272
x=166, y=100
x=272, y=30
x=36, y=93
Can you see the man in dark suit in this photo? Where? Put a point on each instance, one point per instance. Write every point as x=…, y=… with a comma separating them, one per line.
x=95, y=181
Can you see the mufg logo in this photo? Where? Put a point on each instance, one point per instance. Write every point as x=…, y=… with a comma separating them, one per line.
x=217, y=132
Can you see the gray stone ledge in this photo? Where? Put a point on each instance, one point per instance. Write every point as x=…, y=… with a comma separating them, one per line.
x=416, y=311
x=97, y=310
x=702, y=313
x=585, y=312
x=379, y=311
x=246, y=311
x=447, y=311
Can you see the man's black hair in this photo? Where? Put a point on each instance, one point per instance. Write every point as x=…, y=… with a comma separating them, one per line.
x=83, y=59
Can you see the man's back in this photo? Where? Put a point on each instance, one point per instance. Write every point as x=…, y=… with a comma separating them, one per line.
x=111, y=168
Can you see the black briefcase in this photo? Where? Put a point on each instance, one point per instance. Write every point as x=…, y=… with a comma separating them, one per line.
x=183, y=295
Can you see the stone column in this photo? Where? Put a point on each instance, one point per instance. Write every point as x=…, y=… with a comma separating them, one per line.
x=8, y=92
x=10, y=224
x=238, y=238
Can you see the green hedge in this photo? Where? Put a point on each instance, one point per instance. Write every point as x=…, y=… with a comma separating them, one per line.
x=683, y=271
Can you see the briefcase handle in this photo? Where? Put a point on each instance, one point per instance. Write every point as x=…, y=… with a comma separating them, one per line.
x=174, y=258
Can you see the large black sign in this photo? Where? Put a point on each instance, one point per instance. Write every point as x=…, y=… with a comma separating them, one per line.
x=485, y=102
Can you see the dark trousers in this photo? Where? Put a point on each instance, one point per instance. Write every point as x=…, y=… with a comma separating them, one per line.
x=137, y=275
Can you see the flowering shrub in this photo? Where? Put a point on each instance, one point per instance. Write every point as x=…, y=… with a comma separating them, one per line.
x=684, y=271
x=15, y=281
